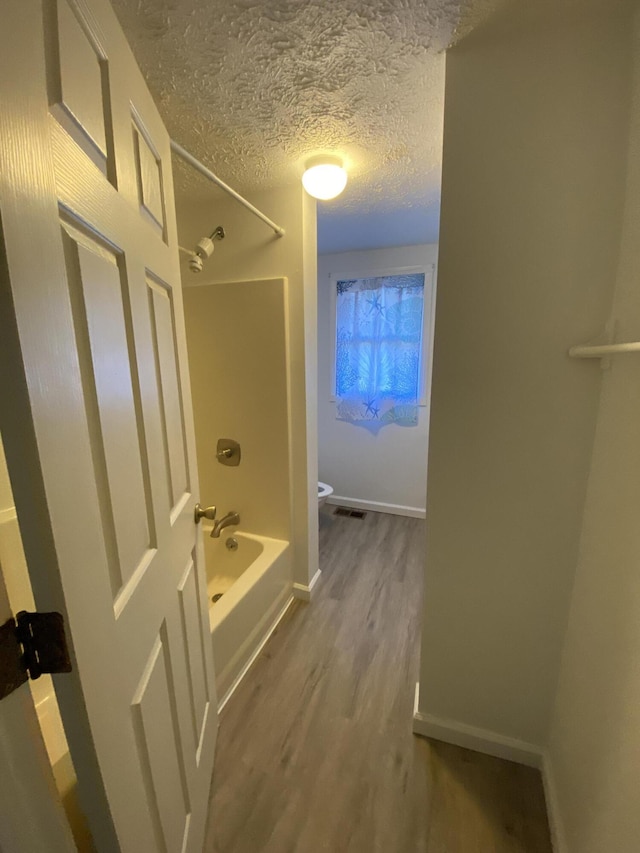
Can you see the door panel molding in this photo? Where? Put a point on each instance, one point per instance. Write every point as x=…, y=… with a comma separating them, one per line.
x=99, y=434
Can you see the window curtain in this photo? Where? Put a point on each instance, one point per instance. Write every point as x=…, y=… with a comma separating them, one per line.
x=379, y=349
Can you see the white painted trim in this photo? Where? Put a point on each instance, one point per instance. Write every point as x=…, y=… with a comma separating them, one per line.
x=7, y=515
x=302, y=591
x=255, y=654
x=479, y=740
x=377, y=506
x=556, y=825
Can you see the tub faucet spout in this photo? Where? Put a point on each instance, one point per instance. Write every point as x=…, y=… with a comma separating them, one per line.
x=225, y=521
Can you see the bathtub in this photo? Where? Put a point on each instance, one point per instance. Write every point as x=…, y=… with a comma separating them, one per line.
x=256, y=585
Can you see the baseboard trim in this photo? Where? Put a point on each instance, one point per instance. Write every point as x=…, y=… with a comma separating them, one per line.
x=302, y=591
x=255, y=654
x=377, y=506
x=556, y=826
x=470, y=737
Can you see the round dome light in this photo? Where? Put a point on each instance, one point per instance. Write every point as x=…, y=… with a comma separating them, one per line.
x=324, y=177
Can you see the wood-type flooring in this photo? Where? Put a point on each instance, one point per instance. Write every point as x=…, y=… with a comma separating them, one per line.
x=315, y=750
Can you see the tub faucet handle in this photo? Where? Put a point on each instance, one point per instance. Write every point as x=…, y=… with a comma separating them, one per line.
x=228, y=452
x=204, y=512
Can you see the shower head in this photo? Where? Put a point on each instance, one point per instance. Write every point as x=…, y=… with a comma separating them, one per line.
x=204, y=249
x=196, y=262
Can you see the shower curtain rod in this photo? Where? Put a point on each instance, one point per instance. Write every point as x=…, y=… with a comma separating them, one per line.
x=200, y=167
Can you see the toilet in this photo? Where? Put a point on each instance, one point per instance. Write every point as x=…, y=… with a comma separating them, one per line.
x=324, y=491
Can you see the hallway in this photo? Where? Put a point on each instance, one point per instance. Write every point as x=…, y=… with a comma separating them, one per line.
x=315, y=750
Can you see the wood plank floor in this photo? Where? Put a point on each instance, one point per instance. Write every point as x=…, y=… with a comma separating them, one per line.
x=315, y=751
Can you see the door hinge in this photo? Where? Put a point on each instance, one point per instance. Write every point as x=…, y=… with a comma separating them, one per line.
x=30, y=645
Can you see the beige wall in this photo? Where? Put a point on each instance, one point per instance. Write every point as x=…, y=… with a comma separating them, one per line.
x=12, y=559
x=388, y=466
x=6, y=496
x=594, y=756
x=534, y=152
x=238, y=368
x=252, y=252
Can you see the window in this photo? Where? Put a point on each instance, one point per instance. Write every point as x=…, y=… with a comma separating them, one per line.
x=378, y=347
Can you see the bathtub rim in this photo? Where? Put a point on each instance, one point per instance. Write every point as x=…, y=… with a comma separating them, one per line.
x=271, y=550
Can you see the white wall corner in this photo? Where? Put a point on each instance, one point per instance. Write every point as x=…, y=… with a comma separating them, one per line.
x=556, y=825
x=304, y=591
x=471, y=737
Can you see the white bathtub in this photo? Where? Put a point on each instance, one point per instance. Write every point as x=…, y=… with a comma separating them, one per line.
x=256, y=582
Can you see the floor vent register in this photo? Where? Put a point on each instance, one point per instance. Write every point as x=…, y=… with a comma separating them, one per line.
x=349, y=513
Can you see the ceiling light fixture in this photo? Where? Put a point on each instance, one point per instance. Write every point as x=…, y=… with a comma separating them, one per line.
x=324, y=177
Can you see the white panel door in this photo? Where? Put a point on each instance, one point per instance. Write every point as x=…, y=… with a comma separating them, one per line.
x=96, y=418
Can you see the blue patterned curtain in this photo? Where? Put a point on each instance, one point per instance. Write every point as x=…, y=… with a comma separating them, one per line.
x=378, y=349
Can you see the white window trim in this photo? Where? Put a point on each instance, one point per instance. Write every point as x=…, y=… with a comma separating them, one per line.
x=428, y=306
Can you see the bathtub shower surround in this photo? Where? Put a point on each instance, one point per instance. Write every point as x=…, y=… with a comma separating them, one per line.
x=237, y=363
x=247, y=552
x=249, y=588
x=258, y=322
x=249, y=574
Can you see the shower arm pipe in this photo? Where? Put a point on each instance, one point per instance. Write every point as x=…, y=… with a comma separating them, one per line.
x=603, y=350
x=200, y=167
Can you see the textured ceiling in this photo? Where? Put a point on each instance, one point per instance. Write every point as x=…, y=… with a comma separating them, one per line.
x=254, y=87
